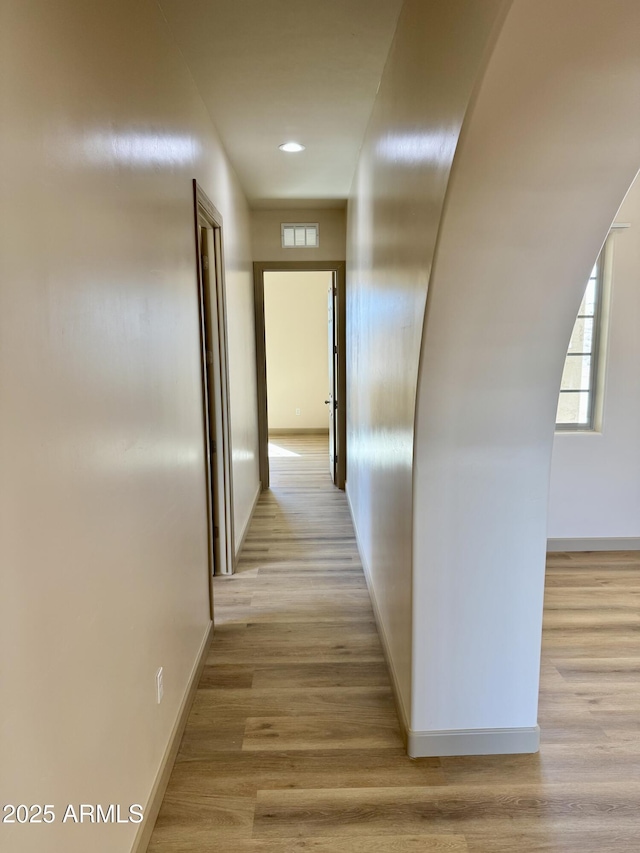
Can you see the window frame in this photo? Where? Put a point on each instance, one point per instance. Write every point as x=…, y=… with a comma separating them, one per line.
x=596, y=337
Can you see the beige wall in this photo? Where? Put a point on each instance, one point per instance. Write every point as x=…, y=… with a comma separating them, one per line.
x=448, y=447
x=296, y=332
x=394, y=215
x=102, y=525
x=267, y=240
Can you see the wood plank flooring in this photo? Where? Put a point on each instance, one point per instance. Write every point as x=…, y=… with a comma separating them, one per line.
x=293, y=744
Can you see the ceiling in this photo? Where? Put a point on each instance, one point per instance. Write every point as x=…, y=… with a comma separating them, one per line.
x=275, y=70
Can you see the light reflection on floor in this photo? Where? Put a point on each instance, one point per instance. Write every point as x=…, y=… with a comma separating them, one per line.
x=276, y=450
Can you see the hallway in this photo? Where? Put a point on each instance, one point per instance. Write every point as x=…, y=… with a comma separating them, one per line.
x=295, y=693
x=293, y=742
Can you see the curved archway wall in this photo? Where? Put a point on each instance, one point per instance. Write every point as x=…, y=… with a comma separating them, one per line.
x=451, y=513
x=548, y=152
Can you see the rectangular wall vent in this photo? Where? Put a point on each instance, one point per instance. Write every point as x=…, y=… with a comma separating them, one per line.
x=300, y=235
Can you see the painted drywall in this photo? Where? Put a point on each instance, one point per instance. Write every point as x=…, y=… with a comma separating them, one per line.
x=103, y=550
x=296, y=338
x=394, y=215
x=536, y=184
x=267, y=239
x=595, y=476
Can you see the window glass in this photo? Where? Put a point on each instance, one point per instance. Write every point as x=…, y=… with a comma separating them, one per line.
x=576, y=404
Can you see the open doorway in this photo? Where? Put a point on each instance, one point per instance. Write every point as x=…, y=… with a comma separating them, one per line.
x=300, y=322
x=298, y=315
x=215, y=385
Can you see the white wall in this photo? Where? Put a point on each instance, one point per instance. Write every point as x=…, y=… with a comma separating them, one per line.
x=595, y=476
x=267, y=240
x=103, y=552
x=394, y=215
x=297, y=347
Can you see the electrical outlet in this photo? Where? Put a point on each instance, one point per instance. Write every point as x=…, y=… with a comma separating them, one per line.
x=160, y=684
x=297, y=411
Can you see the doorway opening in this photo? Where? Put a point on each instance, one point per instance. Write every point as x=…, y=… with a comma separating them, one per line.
x=298, y=311
x=300, y=350
x=215, y=386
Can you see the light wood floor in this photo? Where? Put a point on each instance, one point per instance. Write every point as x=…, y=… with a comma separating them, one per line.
x=293, y=743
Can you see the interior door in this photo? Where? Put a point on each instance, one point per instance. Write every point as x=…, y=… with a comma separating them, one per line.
x=331, y=305
x=213, y=391
x=207, y=397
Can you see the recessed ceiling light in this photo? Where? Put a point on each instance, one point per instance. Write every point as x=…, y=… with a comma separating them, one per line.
x=291, y=147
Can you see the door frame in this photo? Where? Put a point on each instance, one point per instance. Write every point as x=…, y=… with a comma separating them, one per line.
x=215, y=376
x=339, y=270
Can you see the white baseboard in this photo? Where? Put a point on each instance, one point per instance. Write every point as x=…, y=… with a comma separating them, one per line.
x=474, y=742
x=247, y=523
x=145, y=829
x=402, y=711
x=456, y=742
x=594, y=544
